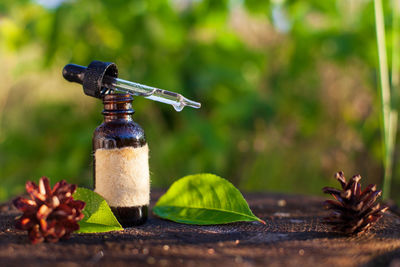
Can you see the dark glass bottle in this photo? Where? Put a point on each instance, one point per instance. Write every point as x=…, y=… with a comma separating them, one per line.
x=121, y=170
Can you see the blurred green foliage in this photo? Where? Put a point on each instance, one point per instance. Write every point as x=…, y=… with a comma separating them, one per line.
x=288, y=89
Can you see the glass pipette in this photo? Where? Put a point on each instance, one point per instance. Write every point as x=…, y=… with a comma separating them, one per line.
x=178, y=101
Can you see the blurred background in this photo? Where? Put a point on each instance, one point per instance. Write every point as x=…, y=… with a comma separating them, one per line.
x=288, y=88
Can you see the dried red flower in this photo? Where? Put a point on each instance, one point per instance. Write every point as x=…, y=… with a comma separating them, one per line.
x=354, y=211
x=50, y=214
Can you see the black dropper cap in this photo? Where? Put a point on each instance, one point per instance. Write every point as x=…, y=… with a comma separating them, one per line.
x=92, y=76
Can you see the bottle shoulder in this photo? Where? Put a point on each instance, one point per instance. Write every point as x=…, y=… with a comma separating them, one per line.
x=115, y=127
x=118, y=134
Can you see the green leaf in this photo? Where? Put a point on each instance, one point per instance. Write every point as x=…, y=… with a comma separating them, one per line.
x=98, y=215
x=203, y=199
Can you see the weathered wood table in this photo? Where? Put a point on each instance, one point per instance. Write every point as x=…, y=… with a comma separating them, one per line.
x=293, y=236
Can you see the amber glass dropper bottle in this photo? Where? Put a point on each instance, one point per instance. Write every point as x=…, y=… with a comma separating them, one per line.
x=121, y=168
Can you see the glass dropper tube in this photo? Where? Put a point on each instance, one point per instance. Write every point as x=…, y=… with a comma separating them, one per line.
x=117, y=85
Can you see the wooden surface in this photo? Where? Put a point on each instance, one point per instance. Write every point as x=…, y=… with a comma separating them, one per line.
x=293, y=236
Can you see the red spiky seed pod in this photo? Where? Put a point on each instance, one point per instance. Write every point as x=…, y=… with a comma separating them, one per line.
x=50, y=214
x=354, y=211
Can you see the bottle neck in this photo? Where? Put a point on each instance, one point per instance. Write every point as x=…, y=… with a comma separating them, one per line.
x=117, y=107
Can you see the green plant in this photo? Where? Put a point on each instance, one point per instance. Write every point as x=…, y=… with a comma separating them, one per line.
x=98, y=215
x=204, y=199
x=389, y=113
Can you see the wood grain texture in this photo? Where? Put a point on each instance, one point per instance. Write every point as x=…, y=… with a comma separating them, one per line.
x=293, y=236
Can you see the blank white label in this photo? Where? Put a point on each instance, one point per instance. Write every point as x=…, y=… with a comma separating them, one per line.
x=122, y=176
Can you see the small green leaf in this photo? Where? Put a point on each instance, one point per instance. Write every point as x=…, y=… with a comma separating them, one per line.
x=203, y=199
x=98, y=215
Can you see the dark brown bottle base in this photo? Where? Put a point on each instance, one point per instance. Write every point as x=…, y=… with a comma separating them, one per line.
x=130, y=216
